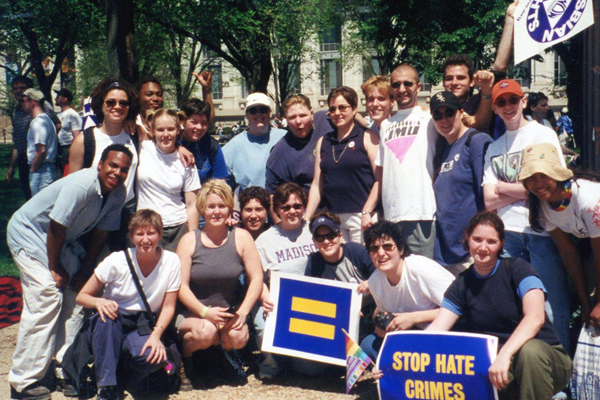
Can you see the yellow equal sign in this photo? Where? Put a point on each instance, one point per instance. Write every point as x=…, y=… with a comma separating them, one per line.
x=311, y=328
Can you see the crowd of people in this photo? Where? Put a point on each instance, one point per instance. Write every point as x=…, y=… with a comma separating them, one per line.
x=462, y=214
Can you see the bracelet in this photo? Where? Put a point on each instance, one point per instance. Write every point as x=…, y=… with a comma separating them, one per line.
x=365, y=212
x=486, y=96
x=159, y=326
x=203, y=313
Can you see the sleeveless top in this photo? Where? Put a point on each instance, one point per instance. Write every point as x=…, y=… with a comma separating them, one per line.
x=347, y=182
x=215, y=273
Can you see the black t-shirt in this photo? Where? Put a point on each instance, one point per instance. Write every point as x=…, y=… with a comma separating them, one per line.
x=491, y=305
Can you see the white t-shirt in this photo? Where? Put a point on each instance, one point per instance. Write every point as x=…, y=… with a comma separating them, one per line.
x=70, y=121
x=285, y=250
x=582, y=215
x=421, y=287
x=503, y=163
x=120, y=287
x=103, y=141
x=160, y=180
x=406, y=155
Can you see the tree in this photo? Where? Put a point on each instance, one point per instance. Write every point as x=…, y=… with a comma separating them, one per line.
x=48, y=30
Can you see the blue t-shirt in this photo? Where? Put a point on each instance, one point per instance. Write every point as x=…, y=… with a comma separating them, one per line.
x=207, y=167
x=355, y=266
x=246, y=157
x=292, y=160
x=493, y=304
x=458, y=194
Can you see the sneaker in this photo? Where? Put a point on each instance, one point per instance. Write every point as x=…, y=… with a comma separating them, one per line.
x=268, y=367
x=66, y=387
x=34, y=391
x=108, y=393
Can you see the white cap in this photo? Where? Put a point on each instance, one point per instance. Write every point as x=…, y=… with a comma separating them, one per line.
x=564, y=110
x=257, y=99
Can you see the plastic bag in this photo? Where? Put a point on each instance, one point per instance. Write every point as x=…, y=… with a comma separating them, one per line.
x=585, y=381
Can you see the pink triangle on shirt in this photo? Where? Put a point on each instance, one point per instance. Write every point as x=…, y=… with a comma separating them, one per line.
x=400, y=146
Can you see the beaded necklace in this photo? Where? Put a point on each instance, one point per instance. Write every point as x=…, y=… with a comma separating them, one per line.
x=566, y=199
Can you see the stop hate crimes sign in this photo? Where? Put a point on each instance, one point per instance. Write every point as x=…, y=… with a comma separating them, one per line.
x=436, y=366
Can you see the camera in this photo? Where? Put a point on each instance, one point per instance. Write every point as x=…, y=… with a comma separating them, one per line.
x=382, y=320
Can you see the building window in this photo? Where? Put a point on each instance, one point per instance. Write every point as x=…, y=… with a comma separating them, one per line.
x=217, y=86
x=370, y=68
x=560, y=72
x=331, y=39
x=331, y=75
x=522, y=73
x=245, y=88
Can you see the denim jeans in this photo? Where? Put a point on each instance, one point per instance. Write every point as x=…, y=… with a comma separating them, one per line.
x=44, y=176
x=542, y=253
x=371, y=345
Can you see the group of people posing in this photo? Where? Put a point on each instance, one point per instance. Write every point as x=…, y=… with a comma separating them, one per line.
x=437, y=223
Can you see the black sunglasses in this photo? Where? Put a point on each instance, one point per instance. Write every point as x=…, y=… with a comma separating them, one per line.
x=112, y=103
x=329, y=236
x=407, y=84
x=385, y=247
x=448, y=113
x=296, y=207
x=258, y=110
x=512, y=101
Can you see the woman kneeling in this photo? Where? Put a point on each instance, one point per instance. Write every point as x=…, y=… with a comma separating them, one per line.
x=121, y=330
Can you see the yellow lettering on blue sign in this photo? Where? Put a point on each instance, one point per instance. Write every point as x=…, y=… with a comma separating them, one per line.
x=312, y=328
x=314, y=307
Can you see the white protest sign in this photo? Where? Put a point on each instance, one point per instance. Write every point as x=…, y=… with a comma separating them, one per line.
x=540, y=24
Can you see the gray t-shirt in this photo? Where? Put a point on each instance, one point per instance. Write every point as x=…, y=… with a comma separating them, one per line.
x=70, y=121
x=42, y=131
x=75, y=202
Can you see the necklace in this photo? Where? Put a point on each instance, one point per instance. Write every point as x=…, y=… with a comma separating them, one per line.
x=343, y=151
x=566, y=199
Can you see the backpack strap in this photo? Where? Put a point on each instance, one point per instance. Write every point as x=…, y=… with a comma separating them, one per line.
x=214, y=148
x=89, y=147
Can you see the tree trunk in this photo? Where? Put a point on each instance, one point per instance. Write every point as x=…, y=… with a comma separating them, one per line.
x=120, y=34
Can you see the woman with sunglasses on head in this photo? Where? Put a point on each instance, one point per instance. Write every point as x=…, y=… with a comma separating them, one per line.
x=502, y=192
x=566, y=204
x=504, y=297
x=284, y=247
x=458, y=165
x=293, y=158
x=346, y=179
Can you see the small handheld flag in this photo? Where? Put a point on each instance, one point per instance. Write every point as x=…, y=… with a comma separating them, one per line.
x=356, y=362
x=89, y=118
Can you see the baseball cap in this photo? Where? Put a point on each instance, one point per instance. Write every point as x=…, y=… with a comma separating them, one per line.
x=66, y=93
x=323, y=221
x=444, y=99
x=257, y=99
x=34, y=94
x=509, y=86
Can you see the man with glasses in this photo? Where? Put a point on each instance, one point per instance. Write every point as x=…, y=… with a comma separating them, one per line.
x=406, y=156
x=247, y=153
x=408, y=289
x=502, y=192
x=42, y=142
x=20, y=124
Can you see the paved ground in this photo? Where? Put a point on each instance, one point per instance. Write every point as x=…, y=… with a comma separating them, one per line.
x=290, y=386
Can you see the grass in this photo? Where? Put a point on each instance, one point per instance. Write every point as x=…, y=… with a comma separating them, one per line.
x=11, y=198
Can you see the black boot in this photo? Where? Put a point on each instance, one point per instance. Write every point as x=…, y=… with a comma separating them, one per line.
x=186, y=369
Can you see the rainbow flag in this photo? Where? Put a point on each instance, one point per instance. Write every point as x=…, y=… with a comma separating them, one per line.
x=356, y=362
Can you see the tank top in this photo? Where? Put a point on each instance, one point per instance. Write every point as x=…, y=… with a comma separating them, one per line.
x=215, y=273
x=347, y=182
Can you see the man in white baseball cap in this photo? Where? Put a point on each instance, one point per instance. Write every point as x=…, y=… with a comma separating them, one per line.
x=246, y=154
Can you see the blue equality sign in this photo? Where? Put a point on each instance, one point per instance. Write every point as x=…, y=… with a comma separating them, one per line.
x=436, y=366
x=308, y=318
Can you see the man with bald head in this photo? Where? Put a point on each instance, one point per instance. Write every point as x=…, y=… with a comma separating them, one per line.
x=406, y=156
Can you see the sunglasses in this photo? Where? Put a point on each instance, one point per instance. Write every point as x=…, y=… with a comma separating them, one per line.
x=512, y=101
x=385, y=247
x=296, y=207
x=448, y=113
x=258, y=110
x=329, y=236
x=407, y=84
x=112, y=103
x=342, y=108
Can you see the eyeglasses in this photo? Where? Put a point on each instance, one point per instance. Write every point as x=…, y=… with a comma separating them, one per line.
x=296, y=207
x=112, y=103
x=503, y=102
x=448, y=113
x=342, y=108
x=258, y=110
x=329, y=236
x=407, y=84
x=385, y=247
